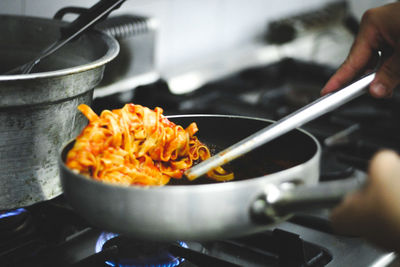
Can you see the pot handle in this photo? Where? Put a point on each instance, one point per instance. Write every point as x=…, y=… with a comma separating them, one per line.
x=92, y=15
x=278, y=202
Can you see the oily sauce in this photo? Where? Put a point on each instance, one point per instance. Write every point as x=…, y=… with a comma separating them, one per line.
x=251, y=165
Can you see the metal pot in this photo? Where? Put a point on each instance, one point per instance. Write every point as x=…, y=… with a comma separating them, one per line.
x=38, y=111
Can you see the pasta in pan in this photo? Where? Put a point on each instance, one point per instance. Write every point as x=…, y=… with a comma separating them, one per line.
x=135, y=145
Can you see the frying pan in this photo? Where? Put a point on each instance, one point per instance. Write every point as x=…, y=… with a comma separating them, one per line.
x=207, y=210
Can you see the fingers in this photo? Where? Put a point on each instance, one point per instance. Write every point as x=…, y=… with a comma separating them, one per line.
x=361, y=53
x=383, y=167
x=375, y=34
x=376, y=206
x=387, y=77
x=349, y=217
x=358, y=58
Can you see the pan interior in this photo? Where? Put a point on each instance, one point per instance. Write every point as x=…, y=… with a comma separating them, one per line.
x=219, y=132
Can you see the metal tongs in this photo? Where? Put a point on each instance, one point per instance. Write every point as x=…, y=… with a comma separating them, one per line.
x=87, y=19
x=296, y=119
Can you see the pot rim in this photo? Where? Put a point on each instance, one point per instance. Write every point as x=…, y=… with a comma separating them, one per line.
x=112, y=52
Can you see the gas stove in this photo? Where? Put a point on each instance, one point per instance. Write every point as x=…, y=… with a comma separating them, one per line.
x=52, y=234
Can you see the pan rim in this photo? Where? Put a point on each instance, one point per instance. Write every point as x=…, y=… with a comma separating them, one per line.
x=214, y=186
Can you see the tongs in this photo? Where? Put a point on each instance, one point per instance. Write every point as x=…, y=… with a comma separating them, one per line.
x=294, y=120
x=87, y=19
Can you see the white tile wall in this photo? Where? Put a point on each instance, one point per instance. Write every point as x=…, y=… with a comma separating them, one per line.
x=189, y=30
x=359, y=7
x=12, y=7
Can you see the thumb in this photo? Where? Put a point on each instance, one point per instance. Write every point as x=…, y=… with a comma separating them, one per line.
x=387, y=77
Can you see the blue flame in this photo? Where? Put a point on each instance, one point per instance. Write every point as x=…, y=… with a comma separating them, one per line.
x=103, y=238
x=171, y=262
x=12, y=213
x=174, y=263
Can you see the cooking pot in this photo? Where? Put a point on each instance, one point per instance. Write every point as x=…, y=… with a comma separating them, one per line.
x=206, y=210
x=38, y=111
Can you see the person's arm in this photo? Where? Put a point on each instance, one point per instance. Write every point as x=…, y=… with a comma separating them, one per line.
x=379, y=31
x=374, y=211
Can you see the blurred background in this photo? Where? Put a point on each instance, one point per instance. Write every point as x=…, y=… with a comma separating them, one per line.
x=191, y=33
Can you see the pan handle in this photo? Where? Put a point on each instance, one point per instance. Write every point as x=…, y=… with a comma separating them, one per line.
x=278, y=202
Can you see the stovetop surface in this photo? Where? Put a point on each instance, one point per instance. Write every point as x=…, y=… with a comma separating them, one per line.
x=51, y=234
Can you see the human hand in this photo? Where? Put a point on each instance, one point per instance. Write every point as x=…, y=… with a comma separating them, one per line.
x=379, y=31
x=374, y=211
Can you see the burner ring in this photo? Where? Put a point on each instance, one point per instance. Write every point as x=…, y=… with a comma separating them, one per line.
x=138, y=253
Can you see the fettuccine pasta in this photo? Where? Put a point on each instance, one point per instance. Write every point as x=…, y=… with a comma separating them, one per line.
x=135, y=145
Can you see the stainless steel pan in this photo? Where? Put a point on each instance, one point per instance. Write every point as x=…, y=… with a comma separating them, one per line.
x=208, y=211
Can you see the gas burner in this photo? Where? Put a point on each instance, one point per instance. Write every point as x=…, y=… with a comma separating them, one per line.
x=270, y=248
x=12, y=221
x=15, y=225
x=135, y=253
